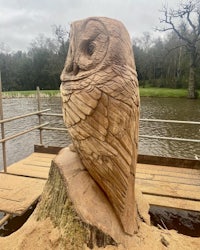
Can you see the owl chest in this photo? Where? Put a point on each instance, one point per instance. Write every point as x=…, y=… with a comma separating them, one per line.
x=85, y=114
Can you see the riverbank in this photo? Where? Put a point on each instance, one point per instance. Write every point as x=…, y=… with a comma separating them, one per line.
x=144, y=92
x=164, y=92
x=30, y=93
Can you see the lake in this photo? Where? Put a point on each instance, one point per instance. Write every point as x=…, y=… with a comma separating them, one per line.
x=151, y=108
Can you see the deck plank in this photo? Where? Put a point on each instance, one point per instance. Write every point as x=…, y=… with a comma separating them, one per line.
x=173, y=202
x=44, y=155
x=18, y=193
x=192, y=174
x=168, y=190
x=169, y=179
x=29, y=170
x=173, y=186
x=36, y=165
x=169, y=168
x=39, y=163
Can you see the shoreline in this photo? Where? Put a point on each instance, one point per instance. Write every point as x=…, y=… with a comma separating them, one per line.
x=144, y=92
x=30, y=94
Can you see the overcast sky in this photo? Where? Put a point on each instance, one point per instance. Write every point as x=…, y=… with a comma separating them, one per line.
x=21, y=21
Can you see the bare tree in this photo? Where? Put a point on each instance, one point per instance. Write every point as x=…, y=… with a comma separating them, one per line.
x=185, y=22
x=62, y=36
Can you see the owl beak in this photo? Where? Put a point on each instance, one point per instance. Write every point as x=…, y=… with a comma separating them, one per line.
x=75, y=68
x=70, y=70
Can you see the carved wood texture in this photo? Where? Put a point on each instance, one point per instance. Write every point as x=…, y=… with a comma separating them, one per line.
x=101, y=109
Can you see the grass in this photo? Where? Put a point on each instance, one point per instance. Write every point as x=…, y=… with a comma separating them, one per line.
x=31, y=93
x=145, y=92
x=164, y=92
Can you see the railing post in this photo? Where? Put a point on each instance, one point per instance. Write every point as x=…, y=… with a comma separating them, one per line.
x=39, y=115
x=2, y=129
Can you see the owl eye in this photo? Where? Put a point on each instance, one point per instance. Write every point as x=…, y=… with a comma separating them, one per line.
x=88, y=47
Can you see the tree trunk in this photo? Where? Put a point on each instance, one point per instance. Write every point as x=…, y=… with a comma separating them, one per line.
x=192, y=93
x=191, y=84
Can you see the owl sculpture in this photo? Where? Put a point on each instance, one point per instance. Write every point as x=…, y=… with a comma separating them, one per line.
x=100, y=97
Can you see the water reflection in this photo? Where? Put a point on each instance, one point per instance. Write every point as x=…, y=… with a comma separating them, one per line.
x=152, y=108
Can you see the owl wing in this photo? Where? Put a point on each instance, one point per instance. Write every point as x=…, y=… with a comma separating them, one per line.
x=123, y=108
x=123, y=116
x=102, y=119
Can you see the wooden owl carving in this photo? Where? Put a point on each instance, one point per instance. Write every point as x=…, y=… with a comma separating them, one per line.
x=100, y=97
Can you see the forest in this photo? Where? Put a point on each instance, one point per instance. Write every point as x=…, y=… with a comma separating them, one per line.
x=170, y=59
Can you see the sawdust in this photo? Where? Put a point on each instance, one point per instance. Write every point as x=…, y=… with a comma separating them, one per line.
x=42, y=235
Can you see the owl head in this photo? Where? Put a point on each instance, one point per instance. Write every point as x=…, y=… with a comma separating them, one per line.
x=96, y=43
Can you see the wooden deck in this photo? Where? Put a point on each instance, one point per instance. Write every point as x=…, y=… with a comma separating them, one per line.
x=165, y=186
x=36, y=165
x=170, y=186
x=23, y=184
x=18, y=193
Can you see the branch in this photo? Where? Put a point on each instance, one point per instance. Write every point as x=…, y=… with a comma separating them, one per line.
x=164, y=29
x=172, y=49
x=168, y=20
x=190, y=22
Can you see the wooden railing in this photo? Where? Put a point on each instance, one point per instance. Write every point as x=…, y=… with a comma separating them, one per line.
x=141, y=136
x=2, y=127
x=4, y=139
x=170, y=138
x=44, y=126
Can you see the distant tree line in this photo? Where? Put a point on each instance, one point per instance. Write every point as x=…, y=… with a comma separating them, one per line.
x=172, y=61
x=40, y=66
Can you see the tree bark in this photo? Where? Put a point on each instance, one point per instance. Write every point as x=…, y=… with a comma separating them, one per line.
x=192, y=93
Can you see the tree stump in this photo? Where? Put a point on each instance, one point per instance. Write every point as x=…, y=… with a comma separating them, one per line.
x=78, y=207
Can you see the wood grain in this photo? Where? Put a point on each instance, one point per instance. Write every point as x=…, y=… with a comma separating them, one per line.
x=101, y=109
